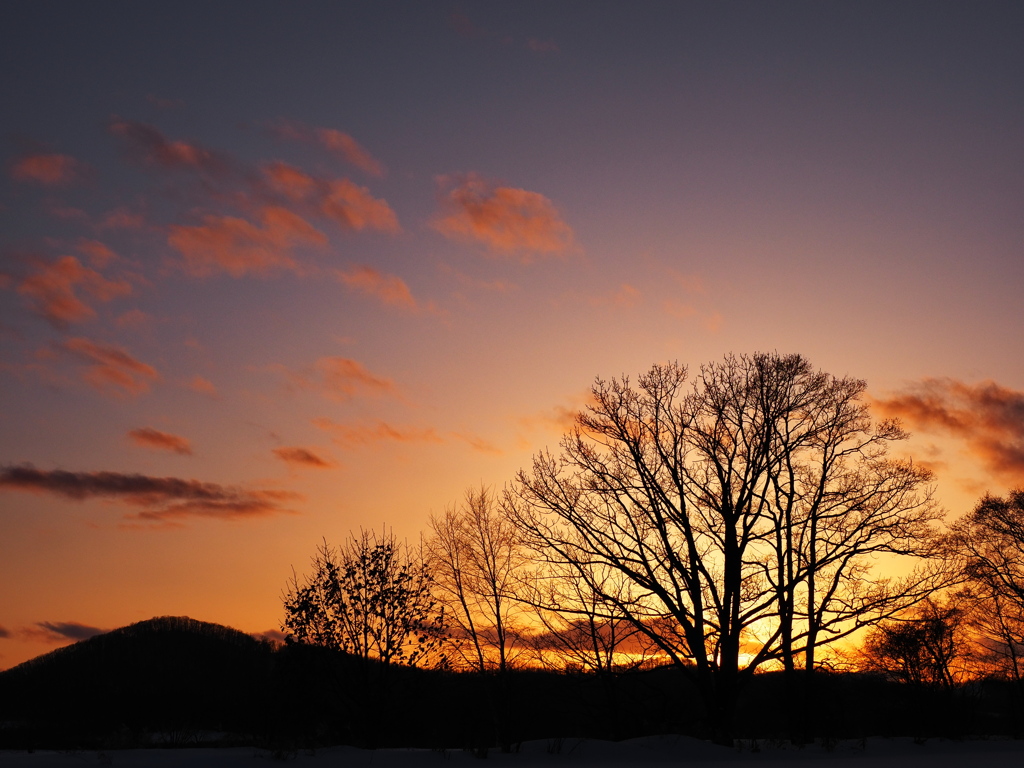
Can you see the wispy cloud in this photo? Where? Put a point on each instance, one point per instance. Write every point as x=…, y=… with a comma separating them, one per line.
x=339, y=144
x=508, y=221
x=147, y=437
x=100, y=254
x=146, y=144
x=347, y=204
x=353, y=435
x=238, y=247
x=156, y=499
x=987, y=417
x=53, y=290
x=112, y=368
x=202, y=385
x=303, y=457
x=50, y=170
x=341, y=378
x=388, y=289
x=624, y=297
x=62, y=631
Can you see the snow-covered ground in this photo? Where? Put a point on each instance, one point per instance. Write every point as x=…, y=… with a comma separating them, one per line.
x=559, y=753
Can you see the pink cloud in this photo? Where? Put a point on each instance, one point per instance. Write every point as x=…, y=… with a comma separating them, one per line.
x=122, y=218
x=53, y=290
x=625, y=297
x=111, y=368
x=303, y=457
x=99, y=254
x=505, y=219
x=237, y=247
x=349, y=205
x=147, y=437
x=202, y=385
x=150, y=147
x=346, y=147
x=352, y=435
x=50, y=170
x=388, y=289
x=339, y=144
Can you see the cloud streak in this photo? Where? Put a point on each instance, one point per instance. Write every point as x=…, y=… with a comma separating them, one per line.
x=508, y=221
x=302, y=457
x=147, y=437
x=986, y=417
x=390, y=290
x=341, y=379
x=353, y=435
x=339, y=144
x=156, y=499
x=148, y=146
x=111, y=368
x=62, y=631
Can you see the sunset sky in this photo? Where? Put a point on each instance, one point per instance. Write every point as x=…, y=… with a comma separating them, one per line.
x=271, y=272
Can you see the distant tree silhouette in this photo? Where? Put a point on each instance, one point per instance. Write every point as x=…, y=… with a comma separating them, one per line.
x=989, y=546
x=371, y=598
x=476, y=559
x=743, y=515
x=921, y=648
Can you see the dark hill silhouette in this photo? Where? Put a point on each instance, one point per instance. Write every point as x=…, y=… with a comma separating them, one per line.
x=170, y=675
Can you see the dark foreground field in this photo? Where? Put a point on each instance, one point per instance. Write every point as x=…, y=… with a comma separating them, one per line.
x=175, y=682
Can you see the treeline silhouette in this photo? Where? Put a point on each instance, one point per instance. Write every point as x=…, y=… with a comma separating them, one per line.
x=177, y=682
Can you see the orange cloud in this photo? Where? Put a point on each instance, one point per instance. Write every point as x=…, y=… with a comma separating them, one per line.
x=334, y=141
x=625, y=297
x=352, y=435
x=150, y=147
x=237, y=247
x=122, y=218
x=344, y=146
x=111, y=368
x=347, y=204
x=303, y=457
x=99, y=254
x=389, y=289
x=50, y=170
x=199, y=384
x=147, y=437
x=342, y=379
x=477, y=443
x=505, y=219
x=987, y=417
x=52, y=291
x=156, y=498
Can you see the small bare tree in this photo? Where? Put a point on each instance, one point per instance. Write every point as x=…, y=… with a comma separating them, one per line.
x=475, y=555
x=371, y=598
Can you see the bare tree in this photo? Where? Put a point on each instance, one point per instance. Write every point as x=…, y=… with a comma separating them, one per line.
x=476, y=558
x=989, y=543
x=744, y=514
x=371, y=598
